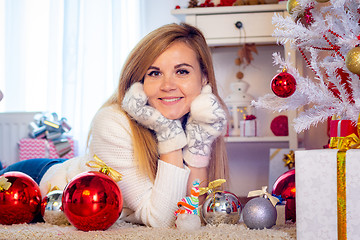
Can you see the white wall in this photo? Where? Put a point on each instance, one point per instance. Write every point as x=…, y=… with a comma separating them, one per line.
x=249, y=162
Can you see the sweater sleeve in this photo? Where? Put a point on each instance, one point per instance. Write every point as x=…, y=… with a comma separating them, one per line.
x=153, y=204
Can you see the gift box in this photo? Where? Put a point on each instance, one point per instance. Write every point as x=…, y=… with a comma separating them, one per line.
x=42, y=148
x=281, y=160
x=342, y=128
x=248, y=128
x=317, y=195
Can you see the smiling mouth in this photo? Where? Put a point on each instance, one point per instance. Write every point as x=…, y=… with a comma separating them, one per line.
x=170, y=99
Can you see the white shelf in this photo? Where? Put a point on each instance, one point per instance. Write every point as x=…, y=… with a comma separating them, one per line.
x=258, y=139
x=235, y=9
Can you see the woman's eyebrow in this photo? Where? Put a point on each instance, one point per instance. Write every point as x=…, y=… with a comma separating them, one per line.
x=182, y=65
x=153, y=67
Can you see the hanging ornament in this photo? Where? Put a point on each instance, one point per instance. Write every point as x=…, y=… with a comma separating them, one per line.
x=280, y=126
x=239, y=75
x=220, y=206
x=352, y=60
x=92, y=200
x=306, y=18
x=291, y=5
x=20, y=198
x=51, y=208
x=284, y=187
x=260, y=212
x=283, y=84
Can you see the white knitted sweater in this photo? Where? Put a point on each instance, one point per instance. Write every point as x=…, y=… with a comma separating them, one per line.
x=152, y=204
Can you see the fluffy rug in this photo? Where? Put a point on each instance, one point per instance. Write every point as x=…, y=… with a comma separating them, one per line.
x=123, y=230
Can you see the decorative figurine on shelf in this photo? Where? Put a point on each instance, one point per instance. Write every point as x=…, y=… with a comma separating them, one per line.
x=193, y=3
x=239, y=106
x=239, y=102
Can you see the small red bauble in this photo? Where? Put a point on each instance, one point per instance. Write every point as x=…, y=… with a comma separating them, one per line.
x=283, y=85
x=279, y=126
x=20, y=203
x=92, y=201
x=284, y=187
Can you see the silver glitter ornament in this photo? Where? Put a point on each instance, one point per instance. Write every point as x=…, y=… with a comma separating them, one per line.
x=52, y=212
x=221, y=207
x=259, y=213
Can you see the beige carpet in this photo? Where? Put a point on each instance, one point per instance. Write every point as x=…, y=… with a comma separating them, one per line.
x=122, y=230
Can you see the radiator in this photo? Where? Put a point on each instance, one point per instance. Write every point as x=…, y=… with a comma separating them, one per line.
x=13, y=127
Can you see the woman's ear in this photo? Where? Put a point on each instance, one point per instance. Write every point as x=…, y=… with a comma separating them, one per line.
x=204, y=81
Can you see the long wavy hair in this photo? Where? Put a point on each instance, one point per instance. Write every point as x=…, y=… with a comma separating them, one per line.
x=139, y=60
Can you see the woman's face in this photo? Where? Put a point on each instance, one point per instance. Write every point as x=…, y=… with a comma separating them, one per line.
x=173, y=81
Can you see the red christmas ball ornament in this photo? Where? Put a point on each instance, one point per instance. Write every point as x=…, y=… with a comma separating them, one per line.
x=283, y=84
x=92, y=201
x=284, y=187
x=279, y=126
x=20, y=198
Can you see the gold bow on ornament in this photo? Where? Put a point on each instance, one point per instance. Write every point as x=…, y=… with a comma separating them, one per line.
x=98, y=163
x=4, y=184
x=262, y=193
x=211, y=187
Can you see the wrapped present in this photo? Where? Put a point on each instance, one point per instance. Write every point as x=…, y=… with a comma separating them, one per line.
x=281, y=160
x=42, y=148
x=327, y=183
x=248, y=126
x=318, y=194
x=342, y=128
x=52, y=129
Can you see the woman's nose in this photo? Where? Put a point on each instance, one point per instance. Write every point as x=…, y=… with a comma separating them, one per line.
x=168, y=84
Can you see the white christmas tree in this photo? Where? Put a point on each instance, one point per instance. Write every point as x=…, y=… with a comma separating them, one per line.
x=327, y=34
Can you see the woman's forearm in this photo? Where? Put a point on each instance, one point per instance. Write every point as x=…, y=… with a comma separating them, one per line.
x=202, y=175
x=174, y=158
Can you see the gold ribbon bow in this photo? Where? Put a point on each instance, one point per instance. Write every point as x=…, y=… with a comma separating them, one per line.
x=262, y=193
x=54, y=188
x=4, y=184
x=289, y=159
x=98, y=163
x=351, y=141
x=211, y=187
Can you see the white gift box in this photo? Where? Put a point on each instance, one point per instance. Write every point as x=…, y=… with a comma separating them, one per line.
x=316, y=194
x=248, y=128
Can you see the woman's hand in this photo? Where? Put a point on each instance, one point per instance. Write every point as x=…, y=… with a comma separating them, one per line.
x=207, y=121
x=169, y=133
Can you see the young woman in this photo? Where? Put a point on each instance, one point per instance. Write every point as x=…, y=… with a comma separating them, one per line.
x=161, y=129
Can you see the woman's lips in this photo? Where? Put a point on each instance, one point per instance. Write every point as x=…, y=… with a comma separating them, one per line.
x=170, y=100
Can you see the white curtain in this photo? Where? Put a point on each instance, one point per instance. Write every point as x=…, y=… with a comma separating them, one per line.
x=64, y=56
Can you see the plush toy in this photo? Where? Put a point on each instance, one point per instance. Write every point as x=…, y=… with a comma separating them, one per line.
x=187, y=216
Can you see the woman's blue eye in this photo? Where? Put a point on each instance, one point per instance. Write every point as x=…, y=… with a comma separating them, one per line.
x=182, y=72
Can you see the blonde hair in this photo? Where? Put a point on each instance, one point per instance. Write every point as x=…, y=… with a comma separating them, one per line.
x=134, y=70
